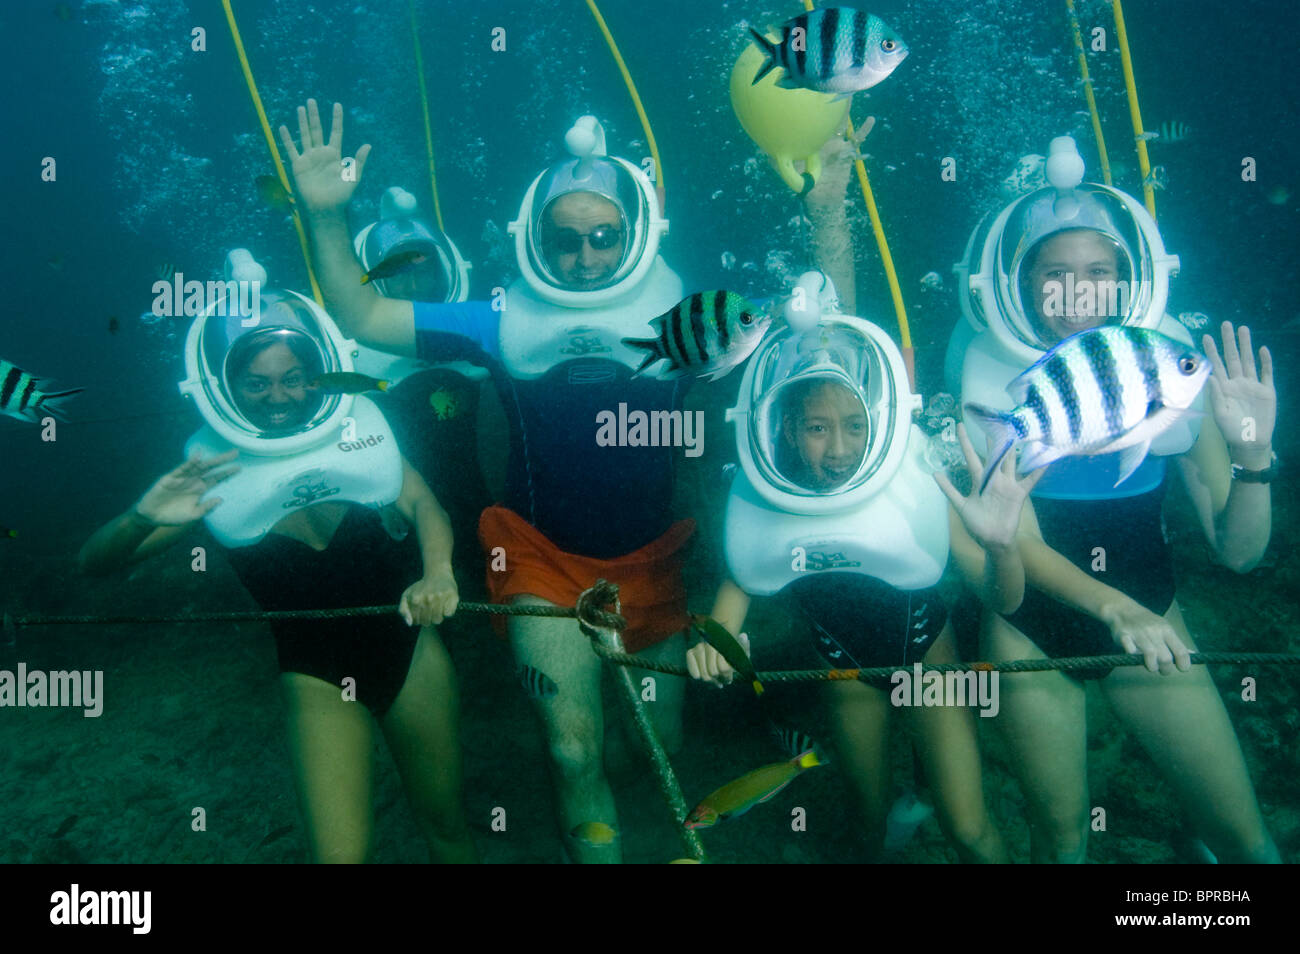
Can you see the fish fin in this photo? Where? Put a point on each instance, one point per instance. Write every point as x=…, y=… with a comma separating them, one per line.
x=1130, y=458
x=51, y=403
x=808, y=759
x=769, y=50
x=770, y=795
x=1002, y=436
x=1037, y=454
x=650, y=358
x=842, y=96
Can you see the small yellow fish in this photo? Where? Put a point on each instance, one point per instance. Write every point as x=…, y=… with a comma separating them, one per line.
x=347, y=382
x=736, y=798
x=595, y=834
x=394, y=265
x=273, y=193
x=716, y=635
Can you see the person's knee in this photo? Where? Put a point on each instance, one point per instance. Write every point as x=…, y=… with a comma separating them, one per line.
x=575, y=754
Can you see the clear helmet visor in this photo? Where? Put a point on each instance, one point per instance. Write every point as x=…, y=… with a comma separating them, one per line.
x=422, y=262
x=1073, y=261
x=258, y=378
x=587, y=226
x=812, y=430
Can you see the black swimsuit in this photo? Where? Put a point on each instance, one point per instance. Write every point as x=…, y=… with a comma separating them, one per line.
x=860, y=622
x=362, y=566
x=1127, y=533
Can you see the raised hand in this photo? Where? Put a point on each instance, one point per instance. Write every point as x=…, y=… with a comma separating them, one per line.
x=993, y=516
x=1242, y=399
x=318, y=167
x=174, y=499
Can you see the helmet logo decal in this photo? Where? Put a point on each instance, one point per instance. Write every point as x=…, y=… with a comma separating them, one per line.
x=308, y=488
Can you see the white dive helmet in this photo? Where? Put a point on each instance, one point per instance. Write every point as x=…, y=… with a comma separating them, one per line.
x=998, y=296
x=245, y=316
x=399, y=229
x=619, y=181
x=868, y=371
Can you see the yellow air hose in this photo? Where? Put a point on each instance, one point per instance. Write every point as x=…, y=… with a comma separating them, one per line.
x=428, y=128
x=275, y=153
x=1087, y=92
x=636, y=101
x=900, y=310
x=1144, y=163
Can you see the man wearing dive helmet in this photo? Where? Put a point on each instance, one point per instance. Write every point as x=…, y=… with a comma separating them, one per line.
x=587, y=245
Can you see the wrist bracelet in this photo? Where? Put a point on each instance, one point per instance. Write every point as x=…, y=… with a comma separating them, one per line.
x=1265, y=476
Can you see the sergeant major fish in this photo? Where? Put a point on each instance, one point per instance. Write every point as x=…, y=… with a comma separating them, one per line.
x=707, y=334
x=1097, y=392
x=20, y=398
x=832, y=50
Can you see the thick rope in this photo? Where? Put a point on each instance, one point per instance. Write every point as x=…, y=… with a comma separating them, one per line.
x=604, y=594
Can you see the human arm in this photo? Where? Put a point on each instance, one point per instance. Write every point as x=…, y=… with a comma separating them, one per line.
x=824, y=204
x=985, y=527
x=1235, y=515
x=322, y=194
x=160, y=518
x=434, y=596
x=729, y=608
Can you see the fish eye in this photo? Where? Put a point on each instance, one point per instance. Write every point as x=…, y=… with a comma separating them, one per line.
x=1187, y=364
x=888, y=45
x=746, y=318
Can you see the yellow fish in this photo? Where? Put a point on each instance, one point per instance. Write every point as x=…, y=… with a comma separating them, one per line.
x=736, y=798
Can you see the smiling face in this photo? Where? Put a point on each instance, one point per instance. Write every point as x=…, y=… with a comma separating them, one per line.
x=826, y=427
x=272, y=390
x=583, y=240
x=1092, y=263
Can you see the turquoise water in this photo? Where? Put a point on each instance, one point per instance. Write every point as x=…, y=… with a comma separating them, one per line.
x=157, y=147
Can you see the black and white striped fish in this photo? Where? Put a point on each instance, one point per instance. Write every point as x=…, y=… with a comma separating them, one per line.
x=1171, y=131
x=20, y=398
x=832, y=50
x=1105, y=390
x=707, y=334
x=536, y=683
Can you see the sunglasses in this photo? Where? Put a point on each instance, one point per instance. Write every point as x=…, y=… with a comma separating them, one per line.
x=602, y=238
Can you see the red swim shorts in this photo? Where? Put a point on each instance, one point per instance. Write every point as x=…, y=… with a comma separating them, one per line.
x=650, y=589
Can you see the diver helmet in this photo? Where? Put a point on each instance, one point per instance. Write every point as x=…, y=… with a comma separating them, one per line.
x=589, y=169
x=399, y=230
x=997, y=283
x=235, y=328
x=857, y=373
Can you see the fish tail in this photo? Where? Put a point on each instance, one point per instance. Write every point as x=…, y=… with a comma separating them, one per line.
x=808, y=759
x=769, y=49
x=1003, y=433
x=649, y=344
x=52, y=403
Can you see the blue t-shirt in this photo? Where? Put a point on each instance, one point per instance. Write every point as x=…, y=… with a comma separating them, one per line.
x=589, y=500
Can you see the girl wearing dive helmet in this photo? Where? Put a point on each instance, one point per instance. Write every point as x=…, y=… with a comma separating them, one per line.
x=1098, y=567
x=833, y=507
x=311, y=522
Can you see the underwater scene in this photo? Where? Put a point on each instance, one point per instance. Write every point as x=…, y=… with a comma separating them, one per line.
x=592, y=431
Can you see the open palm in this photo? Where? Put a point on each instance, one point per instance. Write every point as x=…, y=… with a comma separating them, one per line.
x=318, y=172
x=1240, y=394
x=991, y=517
x=174, y=499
